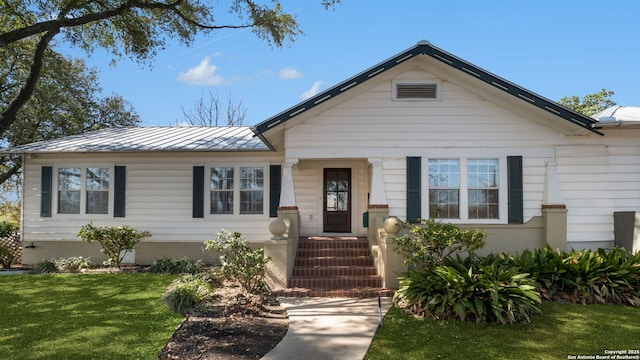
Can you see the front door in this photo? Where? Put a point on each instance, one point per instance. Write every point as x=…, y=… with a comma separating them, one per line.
x=337, y=200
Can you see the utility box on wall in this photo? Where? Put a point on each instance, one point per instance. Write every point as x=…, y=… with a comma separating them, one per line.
x=626, y=229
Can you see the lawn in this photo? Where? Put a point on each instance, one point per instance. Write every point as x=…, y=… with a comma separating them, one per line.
x=84, y=316
x=562, y=331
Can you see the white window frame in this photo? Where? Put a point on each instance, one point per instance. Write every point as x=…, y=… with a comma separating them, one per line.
x=395, y=83
x=83, y=190
x=236, y=189
x=503, y=196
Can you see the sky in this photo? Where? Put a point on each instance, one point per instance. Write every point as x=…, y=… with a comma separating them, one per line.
x=555, y=48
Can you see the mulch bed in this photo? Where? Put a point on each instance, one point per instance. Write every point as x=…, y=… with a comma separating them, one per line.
x=229, y=327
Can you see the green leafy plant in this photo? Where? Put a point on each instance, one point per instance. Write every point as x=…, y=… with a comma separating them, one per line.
x=431, y=241
x=115, y=240
x=238, y=262
x=471, y=289
x=182, y=265
x=186, y=292
x=64, y=265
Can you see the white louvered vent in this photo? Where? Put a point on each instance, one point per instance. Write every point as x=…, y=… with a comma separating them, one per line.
x=416, y=91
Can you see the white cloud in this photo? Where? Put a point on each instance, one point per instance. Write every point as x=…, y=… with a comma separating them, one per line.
x=203, y=74
x=290, y=74
x=313, y=90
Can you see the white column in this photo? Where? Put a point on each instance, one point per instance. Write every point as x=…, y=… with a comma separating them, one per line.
x=552, y=193
x=287, y=191
x=378, y=195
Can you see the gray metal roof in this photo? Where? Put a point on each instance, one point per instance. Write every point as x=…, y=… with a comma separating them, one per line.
x=135, y=139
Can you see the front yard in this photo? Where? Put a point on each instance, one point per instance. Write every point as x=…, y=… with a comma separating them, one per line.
x=563, y=330
x=84, y=316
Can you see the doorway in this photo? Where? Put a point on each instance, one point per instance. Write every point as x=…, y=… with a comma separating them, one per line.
x=337, y=200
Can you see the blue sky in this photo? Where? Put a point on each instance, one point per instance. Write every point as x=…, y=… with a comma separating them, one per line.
x=554, y=48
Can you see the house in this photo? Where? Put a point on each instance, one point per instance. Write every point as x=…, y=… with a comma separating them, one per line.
x=420, y=131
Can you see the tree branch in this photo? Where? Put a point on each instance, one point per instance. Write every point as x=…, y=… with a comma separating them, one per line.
x=9, y=114
x=12, y=170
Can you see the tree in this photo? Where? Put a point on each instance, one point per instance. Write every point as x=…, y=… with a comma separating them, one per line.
x=210, y=112
x=135, y=28
x=66, y=101
x=590, y=103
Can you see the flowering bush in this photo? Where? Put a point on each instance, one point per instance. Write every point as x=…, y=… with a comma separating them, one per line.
x=115, y=240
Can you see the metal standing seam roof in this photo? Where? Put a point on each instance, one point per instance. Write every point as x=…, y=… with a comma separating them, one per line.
x=162, y=139
x=425, y=48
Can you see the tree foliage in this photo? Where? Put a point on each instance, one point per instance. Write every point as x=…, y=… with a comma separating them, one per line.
x=66, y=101
x=210, y=111
x=133, y=28
x=590, y=103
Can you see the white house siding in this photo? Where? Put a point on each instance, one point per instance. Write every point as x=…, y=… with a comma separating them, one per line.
x=158, y=197
x=462, y=124
x=597, y=181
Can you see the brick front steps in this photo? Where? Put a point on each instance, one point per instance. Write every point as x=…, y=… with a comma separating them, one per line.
x=334, y=267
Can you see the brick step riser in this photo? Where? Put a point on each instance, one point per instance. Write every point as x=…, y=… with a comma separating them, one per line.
x=334, y=271
x=307, y=253
x=310, y=244
x=353, y=293
x=335, y=283
x=334, y=261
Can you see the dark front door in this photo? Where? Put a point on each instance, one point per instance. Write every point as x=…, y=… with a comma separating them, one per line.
x=337, y=200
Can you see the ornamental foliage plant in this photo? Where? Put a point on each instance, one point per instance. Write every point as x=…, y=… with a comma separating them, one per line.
x=115, y=240
x=430, y=241
x=238, y=262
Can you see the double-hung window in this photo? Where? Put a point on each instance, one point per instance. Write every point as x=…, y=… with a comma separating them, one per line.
x=237, y=190
x=83, y=190
x=467, y=189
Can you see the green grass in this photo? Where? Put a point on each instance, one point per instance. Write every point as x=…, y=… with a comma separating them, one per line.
x=84, y=316
x=563, y=330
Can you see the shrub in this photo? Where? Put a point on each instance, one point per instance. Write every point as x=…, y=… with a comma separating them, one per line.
x=63, y=265
x=186, y=292
x=183, y=265
x=471, y=289
x=238, y=262
x=46, y=267
x=584, y=276
x=431, y=241
x=115, y=240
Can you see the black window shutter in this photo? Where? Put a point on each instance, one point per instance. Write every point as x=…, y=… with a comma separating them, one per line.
x=198, y=191
x=120, y=176
x=46, y=176
x=516, y=203
x=413, y=188
x=275, y=178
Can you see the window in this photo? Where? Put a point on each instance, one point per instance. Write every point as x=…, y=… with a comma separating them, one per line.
x=482, y=179
x=444, y=188
x=466, y=189
x=237, y=190
x=69, y=190
x=84, y=189
x=222, y=190
x=97, y=191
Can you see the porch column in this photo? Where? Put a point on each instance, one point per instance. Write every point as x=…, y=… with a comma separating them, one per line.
x=378, y=195
x=287, y=191
x=554, y=211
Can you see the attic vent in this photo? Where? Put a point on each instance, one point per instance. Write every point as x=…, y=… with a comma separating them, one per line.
x=416, y=91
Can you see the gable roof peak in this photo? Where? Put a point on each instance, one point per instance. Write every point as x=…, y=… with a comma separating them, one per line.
x=423, y=42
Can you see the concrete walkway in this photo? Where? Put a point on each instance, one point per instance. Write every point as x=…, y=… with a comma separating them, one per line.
x=329, y=328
